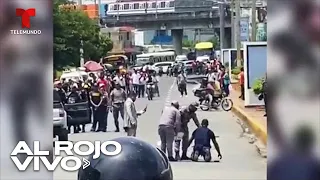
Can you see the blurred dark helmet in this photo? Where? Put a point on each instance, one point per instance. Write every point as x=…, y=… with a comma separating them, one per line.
x=138, y=160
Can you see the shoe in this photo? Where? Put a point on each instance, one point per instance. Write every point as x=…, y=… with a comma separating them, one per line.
x=185, y=158
x=181, y=96
x=177, y=156
x=171, y=159
x=117, y=130
x=92, y=130
x=186, y=95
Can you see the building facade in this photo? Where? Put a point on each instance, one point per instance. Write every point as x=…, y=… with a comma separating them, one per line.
x=122, y=38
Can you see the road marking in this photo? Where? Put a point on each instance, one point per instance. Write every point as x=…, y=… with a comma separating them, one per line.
x=168, y=98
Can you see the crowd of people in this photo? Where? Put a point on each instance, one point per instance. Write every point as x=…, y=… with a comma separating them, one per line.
x=105, y=93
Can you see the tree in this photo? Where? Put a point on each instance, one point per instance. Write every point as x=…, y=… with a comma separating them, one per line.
x=188, y=43
x=215, y=41
x=72, y=28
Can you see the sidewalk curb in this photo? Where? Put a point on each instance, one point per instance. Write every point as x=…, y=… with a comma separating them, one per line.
x=259, y=131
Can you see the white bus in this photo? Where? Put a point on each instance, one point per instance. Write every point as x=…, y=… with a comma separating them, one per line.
x=155, y=57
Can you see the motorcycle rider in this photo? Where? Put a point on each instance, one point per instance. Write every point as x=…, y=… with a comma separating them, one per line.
x=186, y=113
x=202, y=136
x=209, y=90
x=169, y=126
x=156, y=81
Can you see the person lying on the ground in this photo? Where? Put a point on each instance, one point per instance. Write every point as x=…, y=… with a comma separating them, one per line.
x=202, y=136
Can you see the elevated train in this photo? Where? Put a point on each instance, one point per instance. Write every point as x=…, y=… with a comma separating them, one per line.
x=140, y=7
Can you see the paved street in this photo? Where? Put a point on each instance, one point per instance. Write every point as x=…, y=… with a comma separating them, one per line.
x=240, y=159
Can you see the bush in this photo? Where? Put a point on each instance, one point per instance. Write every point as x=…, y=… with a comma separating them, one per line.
x=257, y=86
x=236, y=71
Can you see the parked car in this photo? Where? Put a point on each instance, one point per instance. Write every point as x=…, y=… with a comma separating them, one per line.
x=60, y=119
x=164, y=65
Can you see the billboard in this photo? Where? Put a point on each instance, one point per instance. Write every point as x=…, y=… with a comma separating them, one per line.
x=255, y=67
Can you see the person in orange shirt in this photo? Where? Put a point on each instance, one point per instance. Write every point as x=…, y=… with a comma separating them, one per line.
x=241, y=77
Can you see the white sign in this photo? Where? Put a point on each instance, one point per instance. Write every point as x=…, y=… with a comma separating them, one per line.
x=244, y=29
x=68, y=147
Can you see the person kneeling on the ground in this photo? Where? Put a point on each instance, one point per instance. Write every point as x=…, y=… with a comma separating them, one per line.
x=202, y=136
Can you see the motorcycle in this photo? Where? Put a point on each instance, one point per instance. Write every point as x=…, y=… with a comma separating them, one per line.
x=223, y=101
x=150, y=90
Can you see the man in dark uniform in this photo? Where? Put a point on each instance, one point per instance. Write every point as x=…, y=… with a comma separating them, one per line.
x=202, y=136
x=99, y=109
x=74, y=97
x=61, y=92
x=187, y=113
x=85, y=95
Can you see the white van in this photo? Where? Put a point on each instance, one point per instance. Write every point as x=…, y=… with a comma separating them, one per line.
x=165, y=66
x=74, y=75
x=181, y=58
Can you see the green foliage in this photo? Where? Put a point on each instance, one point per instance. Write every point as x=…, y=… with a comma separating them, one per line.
x=236, y=71
x=215, y=41
x=257, y=86
x=70, y=27
x=187, y=43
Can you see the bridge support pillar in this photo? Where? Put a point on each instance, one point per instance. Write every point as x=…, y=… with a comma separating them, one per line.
x=227, y=38
x=177, y=36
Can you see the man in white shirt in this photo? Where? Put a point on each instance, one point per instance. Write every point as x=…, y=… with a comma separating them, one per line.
x=120, y=80
x=131, y=115
x=212, y=76
x=135, y=81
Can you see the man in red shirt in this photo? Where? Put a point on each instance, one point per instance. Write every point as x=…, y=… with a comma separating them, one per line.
x=102, y=82
x=241, y=78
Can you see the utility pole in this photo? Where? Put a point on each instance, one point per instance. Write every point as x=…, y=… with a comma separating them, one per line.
x=81, y=44
x=232, y=23
x=253, y=20
x=238, y=39
x=222, y=24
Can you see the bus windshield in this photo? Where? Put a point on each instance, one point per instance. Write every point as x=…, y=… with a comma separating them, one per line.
x=115, y=60
x=204, y=48
x=204, y=52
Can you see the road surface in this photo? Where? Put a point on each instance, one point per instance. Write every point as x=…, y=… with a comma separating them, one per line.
x=240, y=159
